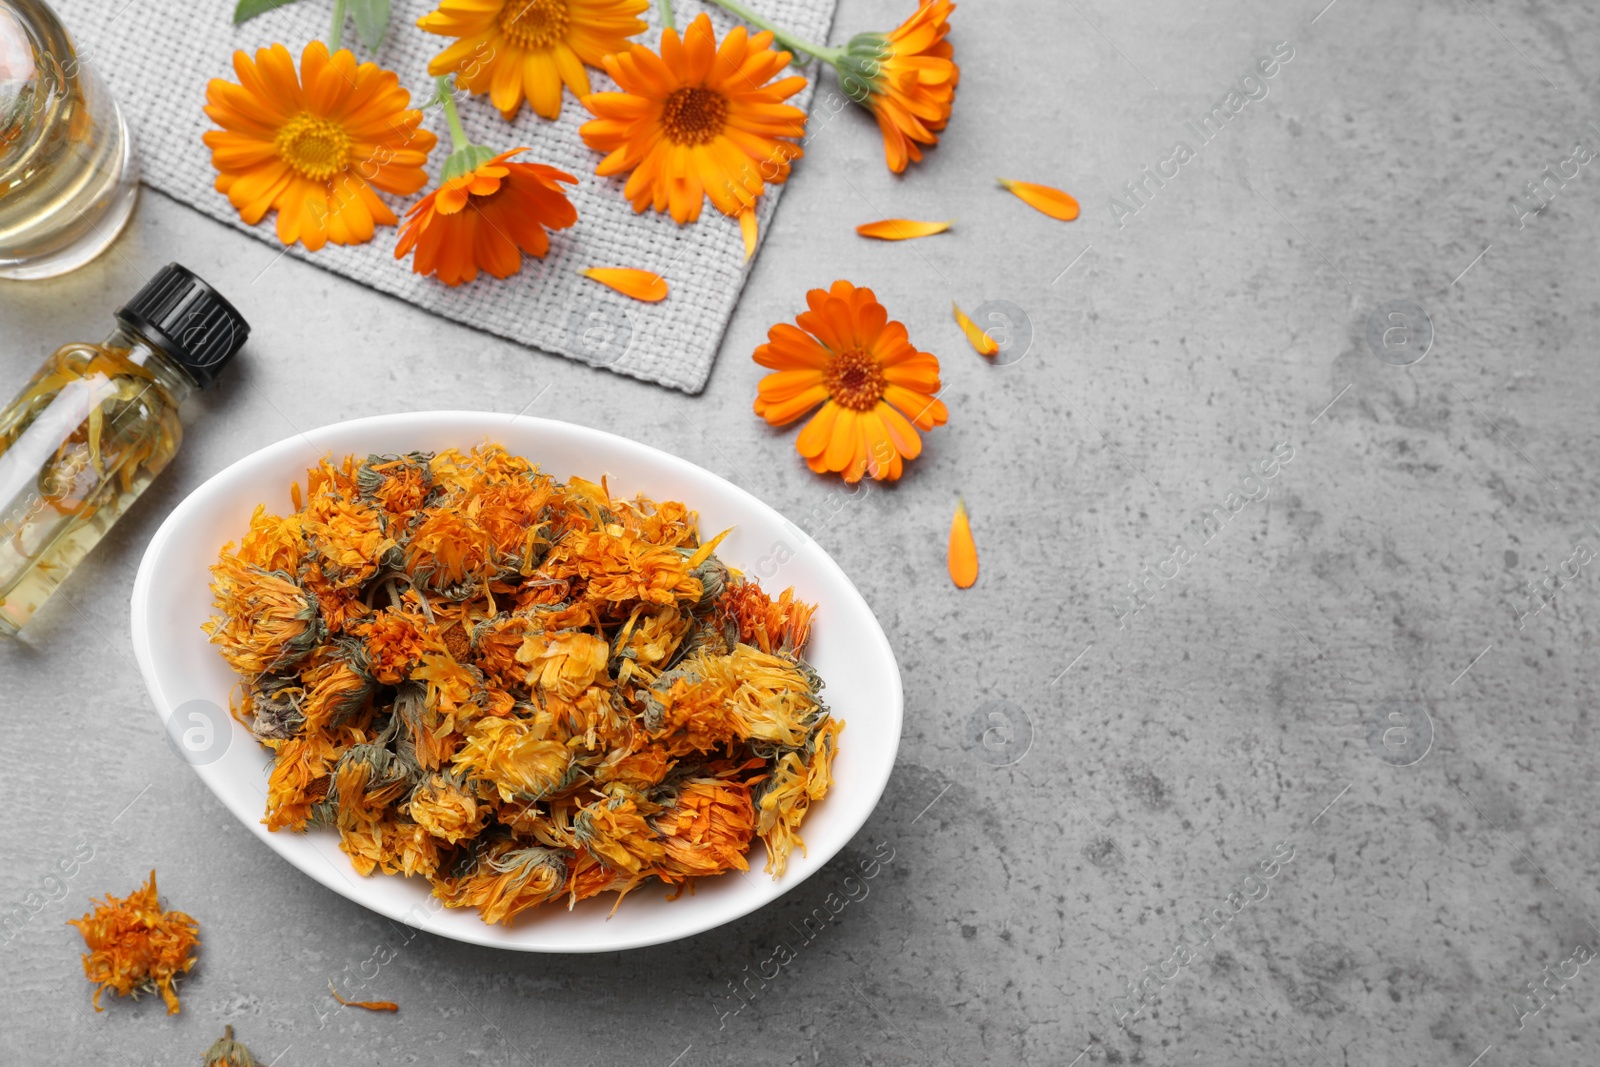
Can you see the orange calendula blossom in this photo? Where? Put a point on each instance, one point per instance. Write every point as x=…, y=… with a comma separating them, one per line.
x=905, y=77
x=517, y=50
x=317, y=145
x=696, y=120
x=875, y=388
x=135, y=947
x=486, y=213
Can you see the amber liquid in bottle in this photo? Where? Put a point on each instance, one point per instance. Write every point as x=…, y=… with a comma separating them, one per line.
x=84, y=438
x=68, y=173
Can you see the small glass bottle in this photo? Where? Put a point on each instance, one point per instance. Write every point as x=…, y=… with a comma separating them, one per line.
x=68, y=173
x=94, y=427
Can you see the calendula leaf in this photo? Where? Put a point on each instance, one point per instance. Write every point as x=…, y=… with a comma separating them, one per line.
x=249, y=9
x=372, y=19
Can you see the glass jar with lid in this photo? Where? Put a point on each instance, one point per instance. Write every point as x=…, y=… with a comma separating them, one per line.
x=68, y=173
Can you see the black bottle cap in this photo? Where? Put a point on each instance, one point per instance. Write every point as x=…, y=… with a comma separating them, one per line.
x=188, y=320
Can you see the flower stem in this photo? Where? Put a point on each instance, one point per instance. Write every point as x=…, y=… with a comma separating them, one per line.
x=336, y=34
x=668, y=20
x=782, y=36
x=447, y=100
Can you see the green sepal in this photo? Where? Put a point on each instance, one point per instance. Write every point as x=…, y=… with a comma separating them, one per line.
x=860, y=65
x=465, y=161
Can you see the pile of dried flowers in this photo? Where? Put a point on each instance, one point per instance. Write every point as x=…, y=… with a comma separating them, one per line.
x=521, y=689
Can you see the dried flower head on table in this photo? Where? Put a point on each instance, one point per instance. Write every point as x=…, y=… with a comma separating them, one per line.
x=135, y=947
x=518, y=688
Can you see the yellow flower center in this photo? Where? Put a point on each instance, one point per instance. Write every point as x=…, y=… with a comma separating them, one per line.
x=535, y=23
x=694, y=115
x=855, y=379
x=316, y=148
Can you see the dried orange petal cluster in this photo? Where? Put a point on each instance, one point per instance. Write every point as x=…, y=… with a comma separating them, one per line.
x=135, y=947
x=518, y=688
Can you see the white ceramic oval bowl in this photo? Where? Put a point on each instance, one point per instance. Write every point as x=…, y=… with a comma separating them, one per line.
x=171, y=598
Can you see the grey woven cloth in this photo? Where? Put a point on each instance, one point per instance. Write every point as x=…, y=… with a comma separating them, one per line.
x=157, y=56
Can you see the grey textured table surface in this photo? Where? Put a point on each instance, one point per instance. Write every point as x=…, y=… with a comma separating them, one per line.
x=1156, y=761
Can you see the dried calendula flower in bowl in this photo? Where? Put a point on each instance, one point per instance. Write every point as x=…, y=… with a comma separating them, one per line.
x=523, y=690
x=135, y=947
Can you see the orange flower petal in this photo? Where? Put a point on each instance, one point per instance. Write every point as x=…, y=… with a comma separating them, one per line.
x=370, y=1005
x=814, y=438
x=747, y=230
x=902, y=229
x=1052, y=202
x=982, y=342
x=962, y=555
x=782, y=412
x=640, y=284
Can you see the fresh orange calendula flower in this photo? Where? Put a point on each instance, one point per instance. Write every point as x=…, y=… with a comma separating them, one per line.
x=907, y=79
x=528, y=49
x=981, y=342
x=315, y=145
x=902, y=229
x=640, y=284
x=875, y=388
x=962, y=555
x=1052, y=202
x=135, y=947
x=698, y=119
x=487, y=219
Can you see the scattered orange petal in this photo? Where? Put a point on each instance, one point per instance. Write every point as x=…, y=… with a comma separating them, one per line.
x=963, y=553
x=1052, y=202
x=747, y=230
x=370, y=1005
x=985, y=345
x=640, y=284
x=902, y=229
